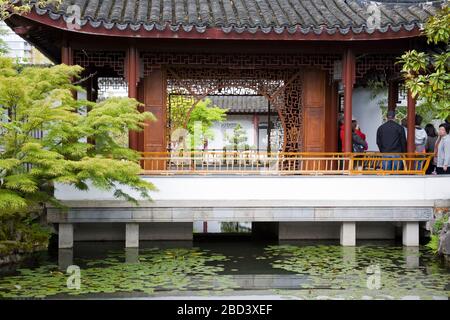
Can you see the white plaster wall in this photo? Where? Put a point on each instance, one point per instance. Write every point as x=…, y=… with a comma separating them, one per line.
x=358, y=189
x=368, y=114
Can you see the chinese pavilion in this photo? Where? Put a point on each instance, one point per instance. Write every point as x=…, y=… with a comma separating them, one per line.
x=296, y=53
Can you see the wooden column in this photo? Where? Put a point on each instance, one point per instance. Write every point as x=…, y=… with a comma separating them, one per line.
x=331, y=116
x=141, y=98
x=392, y=95
x=132, y=77
x=411, y=105
x=91, y=95
x=349, y=80
x=66, y=53
x=67, y=58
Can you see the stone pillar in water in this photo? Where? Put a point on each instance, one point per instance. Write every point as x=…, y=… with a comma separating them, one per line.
x=132, y=235
x=411, y=234
x=65, y=235
x=348, y=234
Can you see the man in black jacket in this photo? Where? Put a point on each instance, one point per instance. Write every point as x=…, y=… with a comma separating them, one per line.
x=391, y=138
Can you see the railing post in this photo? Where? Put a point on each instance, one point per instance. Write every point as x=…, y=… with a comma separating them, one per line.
x=350, y=163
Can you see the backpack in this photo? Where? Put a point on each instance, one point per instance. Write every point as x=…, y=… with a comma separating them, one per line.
x=358, y=148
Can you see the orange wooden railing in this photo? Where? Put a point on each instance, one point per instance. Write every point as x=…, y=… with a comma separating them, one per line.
x=283, y=163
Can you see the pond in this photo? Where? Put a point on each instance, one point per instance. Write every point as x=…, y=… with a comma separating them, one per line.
x=237, y=269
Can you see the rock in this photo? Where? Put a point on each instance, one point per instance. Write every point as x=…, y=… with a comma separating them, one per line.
x=444, y=240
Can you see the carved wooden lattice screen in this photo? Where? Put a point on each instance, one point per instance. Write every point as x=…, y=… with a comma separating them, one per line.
x=282, y=88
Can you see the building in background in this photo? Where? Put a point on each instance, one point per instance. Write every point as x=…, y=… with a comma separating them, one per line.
x=20, y=49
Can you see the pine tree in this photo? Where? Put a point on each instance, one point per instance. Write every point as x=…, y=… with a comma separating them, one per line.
x=33, y=100
x=238, y=140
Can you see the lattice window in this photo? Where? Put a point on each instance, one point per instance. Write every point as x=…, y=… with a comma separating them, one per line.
x=113, y=61
x=238, y=61
x=376, y=62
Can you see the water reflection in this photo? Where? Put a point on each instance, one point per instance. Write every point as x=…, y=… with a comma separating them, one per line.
x=65, y=259
x=132, y=255
x=299, y=270
x=412, y=257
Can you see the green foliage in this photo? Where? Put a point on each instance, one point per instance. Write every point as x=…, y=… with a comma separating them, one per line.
x=237, y=141
x=22, y=233
x=196, y=120
x=439, y=223
x=233, y=227
x=433, y=244
x=8, y=7
x=317, y=272
x=175, y=269
x=41, y=100
x=422, y=109
x=427, y=75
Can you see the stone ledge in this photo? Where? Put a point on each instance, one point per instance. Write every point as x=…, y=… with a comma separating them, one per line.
x=253, y=203
x=89, y=215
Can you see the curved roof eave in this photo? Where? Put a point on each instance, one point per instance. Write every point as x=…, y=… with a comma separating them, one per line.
x=218, y=33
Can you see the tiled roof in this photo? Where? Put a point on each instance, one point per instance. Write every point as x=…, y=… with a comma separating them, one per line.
x=242, y=104
x=305, y=16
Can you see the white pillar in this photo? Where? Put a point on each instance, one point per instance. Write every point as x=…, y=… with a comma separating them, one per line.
x=411, y=234
x=65, y=235
x=132, y=235
x=348, y=234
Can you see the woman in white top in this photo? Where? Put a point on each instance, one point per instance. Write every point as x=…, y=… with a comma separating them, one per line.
x=420, y=135
x=443, y=150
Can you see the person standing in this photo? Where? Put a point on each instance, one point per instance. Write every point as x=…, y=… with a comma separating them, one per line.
x=432, y=137
x=391, y=138
x=443, y=150
x=358, y=138
x=420, y=139
x=420, y=135
x=404, y=123
x=357, y=130
x=340, y=134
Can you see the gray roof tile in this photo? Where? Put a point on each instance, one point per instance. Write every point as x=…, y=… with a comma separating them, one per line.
x=318, y=16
